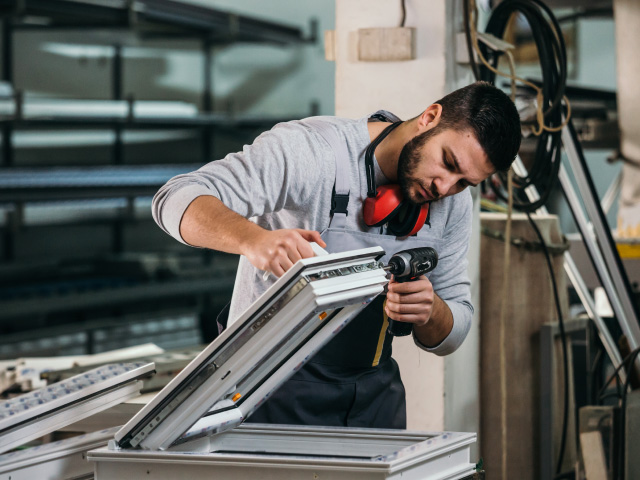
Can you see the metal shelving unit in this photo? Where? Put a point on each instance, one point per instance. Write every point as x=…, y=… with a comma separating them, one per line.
x=166, y=18
x=146, y=19
x=117, y=186
x=20, y=185
x=202, y=120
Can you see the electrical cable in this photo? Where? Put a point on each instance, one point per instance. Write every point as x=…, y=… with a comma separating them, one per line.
x=503, y=328
x=623, y=413
x=404, y=12
x=549, y=41
x=467, y=32
x=622, y=365
x=563, y=339
x=606, y=239
x=616, y=395
x=543, y=172
x=596, y=365
x=492, y=67
x=627, y=364
x=551, y=51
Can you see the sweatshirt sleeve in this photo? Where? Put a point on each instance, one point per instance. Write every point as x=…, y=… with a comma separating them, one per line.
x=266, y=176
x=450, y=278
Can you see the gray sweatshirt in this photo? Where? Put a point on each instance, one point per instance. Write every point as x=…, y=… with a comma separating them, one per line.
x=285, y=180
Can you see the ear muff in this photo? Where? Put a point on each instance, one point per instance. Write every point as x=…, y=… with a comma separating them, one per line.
x=386, y=204
x=380, y=209
x=408, y=220
x=403, y=218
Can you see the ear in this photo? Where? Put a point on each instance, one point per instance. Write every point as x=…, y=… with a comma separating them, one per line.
x=430, y=117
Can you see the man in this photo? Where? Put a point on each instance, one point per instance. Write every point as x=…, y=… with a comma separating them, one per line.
x=285, y=184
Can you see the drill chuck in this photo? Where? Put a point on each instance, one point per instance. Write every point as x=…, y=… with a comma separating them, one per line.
x=409, y=264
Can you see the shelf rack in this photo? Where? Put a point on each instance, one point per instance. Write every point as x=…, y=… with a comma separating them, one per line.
x=20, y=186
x=166, y=18
x=65, y=183
x=147, y=19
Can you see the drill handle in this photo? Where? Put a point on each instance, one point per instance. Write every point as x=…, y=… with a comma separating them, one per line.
x=407, y=266
x=399, y=329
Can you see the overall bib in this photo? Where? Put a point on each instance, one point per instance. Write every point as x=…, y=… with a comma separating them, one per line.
x=352, y=381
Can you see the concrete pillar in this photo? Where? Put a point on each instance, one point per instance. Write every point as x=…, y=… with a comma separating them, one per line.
x=407, y=88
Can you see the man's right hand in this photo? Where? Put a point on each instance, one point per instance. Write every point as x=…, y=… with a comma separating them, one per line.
x=208, y=223
x=276, y=251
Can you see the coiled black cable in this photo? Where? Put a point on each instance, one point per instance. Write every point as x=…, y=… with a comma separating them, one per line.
x=546, y=32
x=467, y=31
x=565, y=353
x=542, y=172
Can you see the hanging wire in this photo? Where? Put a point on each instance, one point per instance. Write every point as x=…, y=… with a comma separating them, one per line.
x=549, y=94
x=563, y=337
x=543, y=171
x=503, y=328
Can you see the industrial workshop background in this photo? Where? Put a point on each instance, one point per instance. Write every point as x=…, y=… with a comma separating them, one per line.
x=93, y=123
x=103, y=101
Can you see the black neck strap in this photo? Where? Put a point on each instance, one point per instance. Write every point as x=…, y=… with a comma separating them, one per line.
x=368, y=158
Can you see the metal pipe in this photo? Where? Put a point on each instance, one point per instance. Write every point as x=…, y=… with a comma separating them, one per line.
x=576, y=280
x=598, y=260
x=611, y=265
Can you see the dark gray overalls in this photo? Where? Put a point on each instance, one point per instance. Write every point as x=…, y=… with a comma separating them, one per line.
x=352, y=381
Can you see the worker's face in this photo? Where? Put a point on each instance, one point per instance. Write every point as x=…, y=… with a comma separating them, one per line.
x=441, y=162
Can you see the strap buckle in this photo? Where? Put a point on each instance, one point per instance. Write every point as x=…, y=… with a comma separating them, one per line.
x=339, y=203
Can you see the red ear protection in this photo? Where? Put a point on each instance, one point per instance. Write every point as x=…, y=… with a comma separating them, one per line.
x=380, y=209
x=386, y=204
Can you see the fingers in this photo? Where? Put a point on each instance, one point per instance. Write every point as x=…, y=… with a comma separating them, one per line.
x=410, y=301
x=420, y=284
x=280, y=266
x=283, y=248
x=284, y=256
x=312, y=236
x=302, y=249
x=405, y=308
x=410, y=298
x=416, y=319
x=413, y=313
x=299, y=246
x=418, y=290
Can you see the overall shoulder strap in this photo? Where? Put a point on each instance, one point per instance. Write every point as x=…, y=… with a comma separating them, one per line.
x=341, y=188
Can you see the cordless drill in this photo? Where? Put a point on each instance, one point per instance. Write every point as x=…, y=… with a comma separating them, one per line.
x=407, y=266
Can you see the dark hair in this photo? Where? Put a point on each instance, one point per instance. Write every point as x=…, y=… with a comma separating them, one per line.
x=490, y=114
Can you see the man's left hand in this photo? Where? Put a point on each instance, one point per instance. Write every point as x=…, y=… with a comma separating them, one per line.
x=410, y=301
x=416, y=302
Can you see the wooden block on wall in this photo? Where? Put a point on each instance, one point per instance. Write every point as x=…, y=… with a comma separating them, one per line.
x=386, y=44
x=330, y=45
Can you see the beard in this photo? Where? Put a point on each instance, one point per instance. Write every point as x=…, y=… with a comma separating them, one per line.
x=408, y=163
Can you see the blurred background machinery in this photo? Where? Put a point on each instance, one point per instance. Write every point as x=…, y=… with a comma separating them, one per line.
x=102, y=102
